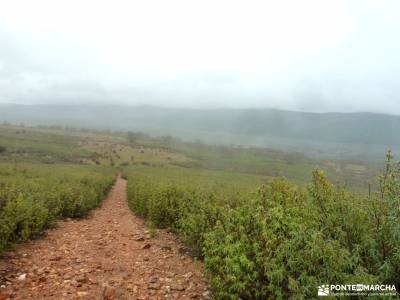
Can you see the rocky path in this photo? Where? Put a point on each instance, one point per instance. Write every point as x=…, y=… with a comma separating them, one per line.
x=109, y=255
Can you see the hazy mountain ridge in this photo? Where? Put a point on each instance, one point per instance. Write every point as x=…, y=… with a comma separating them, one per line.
x=367, y=132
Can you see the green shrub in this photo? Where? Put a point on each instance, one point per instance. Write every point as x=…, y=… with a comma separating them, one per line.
x=194, y=226
x=169, y=204
x=30, y=204
x=138, y=197
x=20, y=219
x=387, y=222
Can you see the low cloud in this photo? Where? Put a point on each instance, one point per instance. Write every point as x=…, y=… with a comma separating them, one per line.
x=312, y=56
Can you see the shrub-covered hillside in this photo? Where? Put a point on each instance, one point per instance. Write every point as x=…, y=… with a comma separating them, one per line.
x=283, y=241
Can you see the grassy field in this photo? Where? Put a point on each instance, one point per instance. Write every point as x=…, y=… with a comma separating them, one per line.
x=57, y=145
x=271, y=163
x=229, y=186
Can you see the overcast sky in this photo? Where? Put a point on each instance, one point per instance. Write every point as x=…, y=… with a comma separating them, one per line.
x=310, y=55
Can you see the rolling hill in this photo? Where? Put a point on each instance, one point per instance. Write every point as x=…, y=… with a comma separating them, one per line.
x=343, y=135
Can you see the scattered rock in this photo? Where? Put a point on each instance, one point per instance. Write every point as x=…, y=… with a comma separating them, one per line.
x=92, y=280
x=153, y=286
x=166, y=248
x=139, y=239
x=131, y=287
x=21, y=277
x=68, y=276
x=109, y=292
x=82, y=278
x=82, y=294
x=56, y=258
x=147, y=246
x=153, y=279
x=206, y=294
x=188, y=275
x=177, y=287
x=182, y=250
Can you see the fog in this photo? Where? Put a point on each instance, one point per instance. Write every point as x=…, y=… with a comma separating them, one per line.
x=299, y=55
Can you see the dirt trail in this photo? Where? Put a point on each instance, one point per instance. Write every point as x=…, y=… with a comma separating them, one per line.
x=109, y=255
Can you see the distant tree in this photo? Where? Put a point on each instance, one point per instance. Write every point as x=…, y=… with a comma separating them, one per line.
x=2, y=149
x=167, y=139
x=132, y=137
x=199, y=143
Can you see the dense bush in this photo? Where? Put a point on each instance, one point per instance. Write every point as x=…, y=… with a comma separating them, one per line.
x=29, y=205
x=286, y=241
